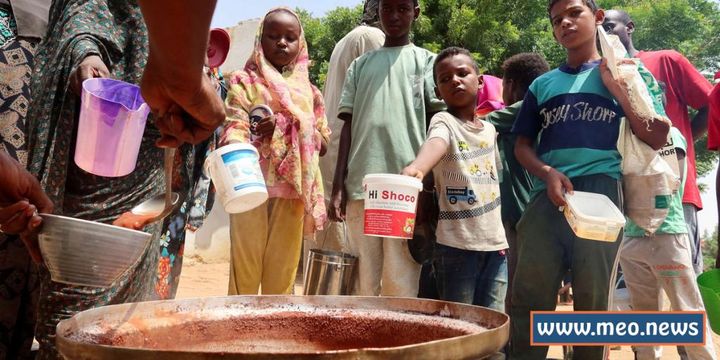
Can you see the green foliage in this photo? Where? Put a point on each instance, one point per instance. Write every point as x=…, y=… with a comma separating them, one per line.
x=688, y=26
x=323, y=33
x=709, y=248
x=704, y=159
x=492, y=30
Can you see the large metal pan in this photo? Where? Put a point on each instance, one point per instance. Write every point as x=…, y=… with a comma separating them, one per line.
x=284, y=327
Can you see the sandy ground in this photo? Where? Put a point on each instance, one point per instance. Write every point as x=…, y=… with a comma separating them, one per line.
x=200, y=279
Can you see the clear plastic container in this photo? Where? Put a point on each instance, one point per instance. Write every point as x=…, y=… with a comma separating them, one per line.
x=88, y=253
x=593, y=216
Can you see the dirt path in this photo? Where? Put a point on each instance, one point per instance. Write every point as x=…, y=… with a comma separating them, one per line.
x=200, y=279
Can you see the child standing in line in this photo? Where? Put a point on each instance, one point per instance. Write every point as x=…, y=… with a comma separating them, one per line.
x=663, y=260
x=567, y=130
x=469, y=260
x=266, y=241
x=519, y=71
x=385, y=101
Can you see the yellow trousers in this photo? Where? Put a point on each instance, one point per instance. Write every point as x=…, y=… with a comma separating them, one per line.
x=265, y=247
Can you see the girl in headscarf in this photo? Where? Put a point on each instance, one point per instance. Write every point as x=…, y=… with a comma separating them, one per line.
x=266, y=241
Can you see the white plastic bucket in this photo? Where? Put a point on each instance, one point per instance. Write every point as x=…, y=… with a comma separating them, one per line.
x=239, y=182
x=593, y=216
x=390, y=204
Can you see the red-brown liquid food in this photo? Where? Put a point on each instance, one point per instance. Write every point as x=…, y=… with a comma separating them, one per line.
x=290, y=332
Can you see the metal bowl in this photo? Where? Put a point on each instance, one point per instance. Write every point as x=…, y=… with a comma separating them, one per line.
x=88, y=253
x=284, y=327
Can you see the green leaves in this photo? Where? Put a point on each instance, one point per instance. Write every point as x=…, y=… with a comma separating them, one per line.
x=323, y=33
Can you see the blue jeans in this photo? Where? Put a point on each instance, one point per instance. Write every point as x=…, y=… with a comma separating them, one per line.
x=471, y=277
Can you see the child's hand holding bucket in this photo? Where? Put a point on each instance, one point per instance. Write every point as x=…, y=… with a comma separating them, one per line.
x=264, y=127
x=338, y=203
x=262, y=120
x=321, y=143
x=411, y=170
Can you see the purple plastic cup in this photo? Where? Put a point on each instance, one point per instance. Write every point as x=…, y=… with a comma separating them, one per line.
x=112, y=122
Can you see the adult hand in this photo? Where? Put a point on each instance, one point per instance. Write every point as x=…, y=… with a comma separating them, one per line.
x=133, y=221
x=90, y=67
x=557, y=185
x=16, y=218
x=265, y=127
x=171, y=96
x=21, y=193
x=338, y=203
x=22, y=219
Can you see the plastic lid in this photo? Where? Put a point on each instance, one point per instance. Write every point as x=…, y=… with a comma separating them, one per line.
x=236, y=147
x=594, y=206
x=393, y=179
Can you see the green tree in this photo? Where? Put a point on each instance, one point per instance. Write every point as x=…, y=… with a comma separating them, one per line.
x=323, y=33
x=492, y=30
x=709, y=248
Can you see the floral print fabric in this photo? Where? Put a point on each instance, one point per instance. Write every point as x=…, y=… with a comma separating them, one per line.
x=289, y=158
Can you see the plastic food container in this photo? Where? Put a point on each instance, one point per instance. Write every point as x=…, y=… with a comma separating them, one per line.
x=390, y=204
x=593, y=216
x=238, y=178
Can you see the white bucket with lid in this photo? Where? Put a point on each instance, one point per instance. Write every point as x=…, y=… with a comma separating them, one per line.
x=238, y=179
x=593, y=216
x=390, y=204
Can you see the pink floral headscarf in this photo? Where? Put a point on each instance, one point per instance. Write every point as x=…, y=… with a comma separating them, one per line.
x=293, y=151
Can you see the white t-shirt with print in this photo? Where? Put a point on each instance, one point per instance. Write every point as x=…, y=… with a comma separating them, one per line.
x=468, y=185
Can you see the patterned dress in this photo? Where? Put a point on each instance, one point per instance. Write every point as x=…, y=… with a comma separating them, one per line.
x=115, y=31
x=18, y=275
